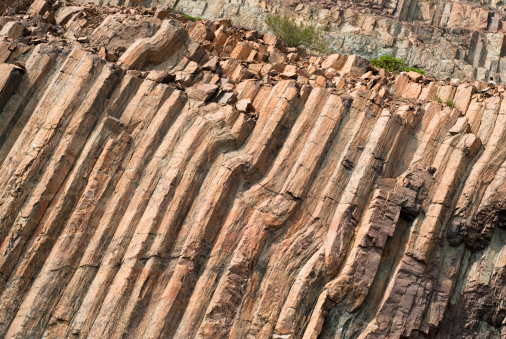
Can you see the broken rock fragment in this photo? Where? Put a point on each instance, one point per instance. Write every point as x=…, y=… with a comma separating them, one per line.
x=244, y=105
x=212, y=183
x=202, y=92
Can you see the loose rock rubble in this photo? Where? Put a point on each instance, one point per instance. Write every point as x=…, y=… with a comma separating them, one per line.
x=446, y=38
x=165, y=178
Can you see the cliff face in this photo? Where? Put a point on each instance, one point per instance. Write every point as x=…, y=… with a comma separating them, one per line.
x=193, y=180
x=447, y=38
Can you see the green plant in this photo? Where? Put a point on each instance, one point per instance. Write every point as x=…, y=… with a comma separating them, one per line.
x=394, y=65
x=189, y=17
x=297, y=34
x=438, y=99
x=451, y=104
x=414, y=69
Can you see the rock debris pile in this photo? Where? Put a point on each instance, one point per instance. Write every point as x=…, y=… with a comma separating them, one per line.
x=165, y=178
x=447, y=38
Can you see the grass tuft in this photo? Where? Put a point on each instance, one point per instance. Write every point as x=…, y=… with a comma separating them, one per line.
x=451, y=104
x=189, y=17
x=297, y=34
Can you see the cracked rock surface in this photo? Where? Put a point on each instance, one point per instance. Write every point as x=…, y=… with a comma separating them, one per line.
x=447, y=38
x=199, y=180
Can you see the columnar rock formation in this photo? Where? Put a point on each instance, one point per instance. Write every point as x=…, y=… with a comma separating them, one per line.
x=195, y=180
x=447, y=38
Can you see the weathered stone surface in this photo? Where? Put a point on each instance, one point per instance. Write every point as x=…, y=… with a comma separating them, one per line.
x=446, y=38
x=202, y=92
x=202, y=186
x=121, y=31
x=155, y=49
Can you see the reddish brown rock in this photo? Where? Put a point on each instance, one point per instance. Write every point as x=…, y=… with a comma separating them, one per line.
x=201, y=92
x=156, y=49
x=13, y=30
x=244, y=106
x=212, y=185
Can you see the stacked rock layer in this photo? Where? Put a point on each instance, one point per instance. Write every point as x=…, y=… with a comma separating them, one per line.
x=200, y=181
x=447, y=38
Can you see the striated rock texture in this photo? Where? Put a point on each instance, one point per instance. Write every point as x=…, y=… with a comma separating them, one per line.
x=198, y=181
x=461, y=39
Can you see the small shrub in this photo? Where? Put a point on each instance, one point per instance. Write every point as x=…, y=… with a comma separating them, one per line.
x=389, y=63
x=451, y=104
x=394, y=65
x=417, y=70
x=438, y=99
x=296, y=35
x=189, y=17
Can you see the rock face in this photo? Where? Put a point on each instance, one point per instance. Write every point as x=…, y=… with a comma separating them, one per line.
x=184, y=183
x=446, y=38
